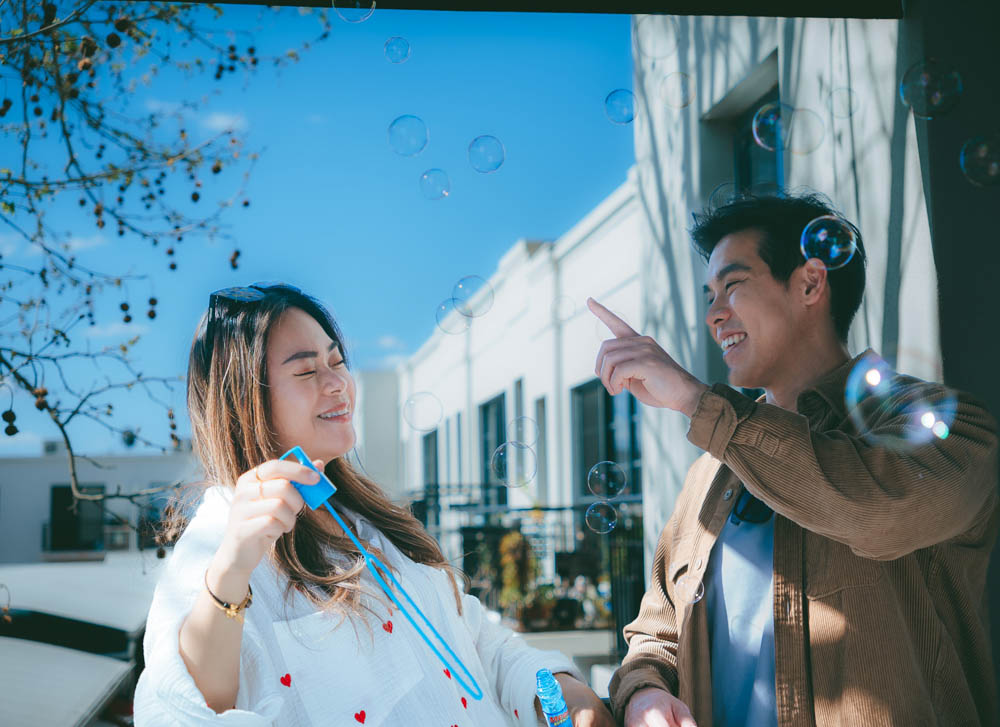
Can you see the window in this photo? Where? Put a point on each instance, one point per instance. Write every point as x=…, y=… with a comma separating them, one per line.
x=430, y=452
x=605, y=428
x=493, y=433
x=541, y=454
x=754, y=167
x=79, y=530
x=431, y=501
x=458, y=445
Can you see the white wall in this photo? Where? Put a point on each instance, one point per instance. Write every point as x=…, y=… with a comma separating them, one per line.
x=376, y=424
x=521, y=337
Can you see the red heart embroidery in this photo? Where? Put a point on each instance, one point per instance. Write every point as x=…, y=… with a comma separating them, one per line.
x=287, y=680
x=387, y=626
x=515, y=715
x=360, y=716
x=447, y=673
x=464, y=703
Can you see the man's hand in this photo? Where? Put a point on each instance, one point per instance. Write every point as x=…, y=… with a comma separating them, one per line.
x=652, y=707
x=637, y=363
x=585, y=708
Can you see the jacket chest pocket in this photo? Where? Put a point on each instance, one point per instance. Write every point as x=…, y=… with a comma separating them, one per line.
x=831, y=567
x=345, y=673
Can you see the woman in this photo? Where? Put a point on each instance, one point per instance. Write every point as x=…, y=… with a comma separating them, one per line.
x=266, y=613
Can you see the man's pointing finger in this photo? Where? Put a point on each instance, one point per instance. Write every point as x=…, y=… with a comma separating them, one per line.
x=616, y=325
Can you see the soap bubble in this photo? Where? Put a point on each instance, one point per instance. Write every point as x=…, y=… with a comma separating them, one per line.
x=777, y=125
x=514, y=464
x=766, y=126
x=843, y=102
x=423, y=411
x=397, y=49
x=523, y=430
x=434, y=184
x=677, y=89
x=920, y=412
x=354, y=11
x=473, y=296
x=563, y=308
x=722, y=195
x=601, y=517
x=689, y=588
x=619, y=105
x=980, y=160
x=451, y=320
x=408, y=135
x=486, y=154
x=830, y=239
x=657, y=36
x=607, y=480
x=930, y=88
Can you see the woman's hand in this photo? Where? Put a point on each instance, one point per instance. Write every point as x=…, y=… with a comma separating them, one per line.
x=265, y=506
x=585, y=708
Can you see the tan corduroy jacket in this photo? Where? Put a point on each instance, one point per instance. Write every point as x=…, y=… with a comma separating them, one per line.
x=880, y=558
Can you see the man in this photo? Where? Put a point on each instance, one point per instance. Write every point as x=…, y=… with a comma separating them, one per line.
x=825, y=563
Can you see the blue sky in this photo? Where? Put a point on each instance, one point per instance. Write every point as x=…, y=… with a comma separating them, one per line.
x=335, y=211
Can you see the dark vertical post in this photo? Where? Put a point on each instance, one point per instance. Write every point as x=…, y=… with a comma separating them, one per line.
x=963, y=218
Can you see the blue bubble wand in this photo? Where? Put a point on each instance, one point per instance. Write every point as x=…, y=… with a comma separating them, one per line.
x=316, y=496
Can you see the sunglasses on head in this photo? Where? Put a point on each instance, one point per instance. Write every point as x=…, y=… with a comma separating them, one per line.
x=227, y=300
x=247, y=293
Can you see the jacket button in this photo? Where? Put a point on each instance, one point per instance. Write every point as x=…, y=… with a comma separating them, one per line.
x=728, y=494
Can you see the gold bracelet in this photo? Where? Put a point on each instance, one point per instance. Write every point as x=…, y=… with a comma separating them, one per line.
x=232, y=610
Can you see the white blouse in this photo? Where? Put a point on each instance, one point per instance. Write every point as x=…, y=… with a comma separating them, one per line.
x=302, y=667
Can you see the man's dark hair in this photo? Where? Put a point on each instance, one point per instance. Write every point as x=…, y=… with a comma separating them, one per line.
x=780, y=220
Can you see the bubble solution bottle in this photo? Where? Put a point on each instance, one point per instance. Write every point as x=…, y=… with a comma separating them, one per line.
x=551, y=696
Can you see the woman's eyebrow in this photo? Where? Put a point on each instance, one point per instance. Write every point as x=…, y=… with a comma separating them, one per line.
x=306, y=354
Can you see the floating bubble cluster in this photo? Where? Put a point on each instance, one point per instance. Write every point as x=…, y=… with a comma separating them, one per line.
x=523, y=430
x=722, y=195
x=397, y=49
x=619, y=105
x=677, y=89
x=423, y=411
x=843, y=102
x=980, y=160
x=354, y=11
x=449, y=319
x=601, y=517
x=408, y=135
x=657, y=36
x=486, y=154
x=473, y=296
x=930, y=88
x=915, y=412
x=434, y=184
x=689, y=588
x=514, y=464
x=777, y=125
x=829, y=239
x=606, y=480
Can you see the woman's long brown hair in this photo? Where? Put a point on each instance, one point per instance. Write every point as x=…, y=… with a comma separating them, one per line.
x=229, y=406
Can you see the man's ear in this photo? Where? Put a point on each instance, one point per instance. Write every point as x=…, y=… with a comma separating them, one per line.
x=812, y=282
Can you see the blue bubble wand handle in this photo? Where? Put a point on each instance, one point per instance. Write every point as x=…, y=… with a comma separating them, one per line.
x=316, y=495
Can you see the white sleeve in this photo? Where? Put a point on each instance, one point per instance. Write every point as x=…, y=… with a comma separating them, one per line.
x=166, y=695
x=511, y=663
